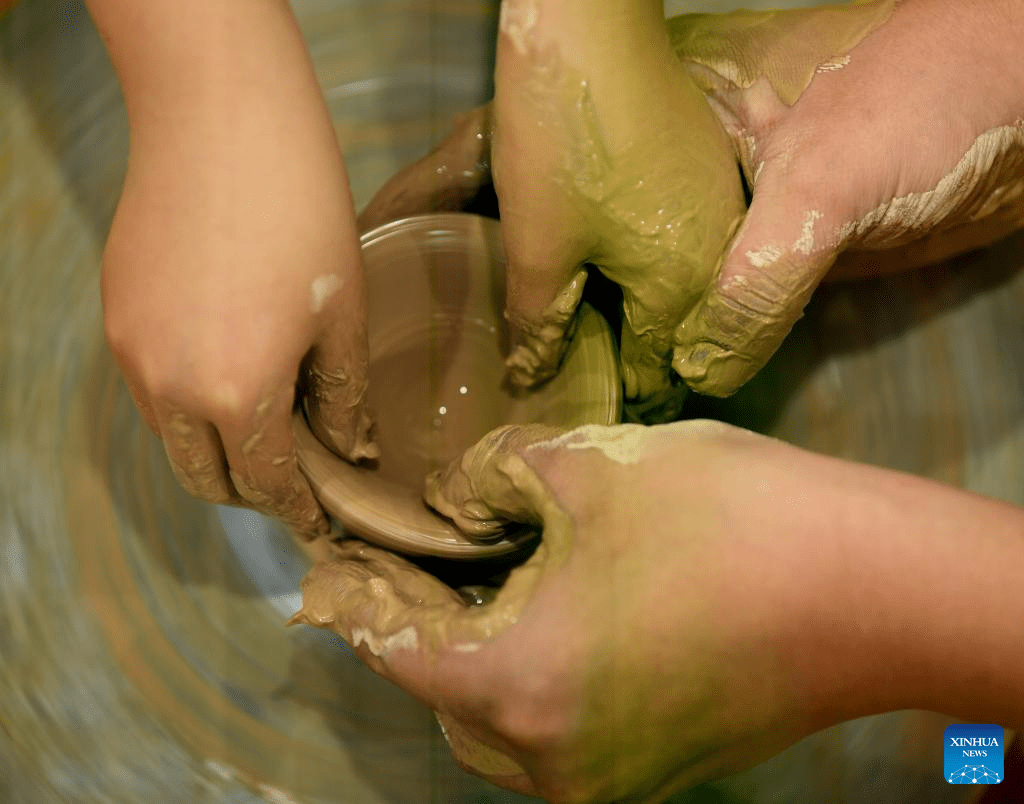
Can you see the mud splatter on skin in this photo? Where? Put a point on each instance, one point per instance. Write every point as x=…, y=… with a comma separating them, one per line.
x=322, y=289
x=517, y=20
x=805, y=245
x=987, y=183
x=626, y=444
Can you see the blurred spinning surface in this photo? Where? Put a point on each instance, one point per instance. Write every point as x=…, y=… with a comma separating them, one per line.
x=142, y=649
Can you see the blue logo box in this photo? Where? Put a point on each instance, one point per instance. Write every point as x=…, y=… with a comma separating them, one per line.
x=973, y=754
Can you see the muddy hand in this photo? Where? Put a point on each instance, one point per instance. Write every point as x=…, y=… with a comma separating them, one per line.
x=603, y=152
x=233, y=268
x=643, y=648
x=855, y=138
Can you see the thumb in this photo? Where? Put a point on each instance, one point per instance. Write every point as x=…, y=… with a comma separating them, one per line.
x=408, y=625
x=782, y=251
x=491, y=485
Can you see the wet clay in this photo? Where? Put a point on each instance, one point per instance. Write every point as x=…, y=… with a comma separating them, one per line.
x=398, y=606
x=626, y=444
x=470, y=751
x=739, y=48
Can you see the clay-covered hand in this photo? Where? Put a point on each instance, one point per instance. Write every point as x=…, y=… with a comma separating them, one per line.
x=862, y=127
x=701, y=597
x=604, y=152
x=663, y=632
x=233, y=267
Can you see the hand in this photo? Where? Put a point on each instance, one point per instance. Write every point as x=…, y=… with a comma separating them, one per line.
x=701, y=598
x=603, y=152
x=859, y=144
x=855, y=136
x=233, y=263
x=637, y=651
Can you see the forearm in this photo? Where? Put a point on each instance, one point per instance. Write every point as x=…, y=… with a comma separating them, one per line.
x=928, y=603
x=209, y=66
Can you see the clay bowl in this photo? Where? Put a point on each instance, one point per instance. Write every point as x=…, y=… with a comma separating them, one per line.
x=438, y=340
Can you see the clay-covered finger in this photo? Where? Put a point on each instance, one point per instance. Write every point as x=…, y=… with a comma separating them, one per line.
x=541, y=339
x=485, y=489
x=546, y=238
x=335, y=375
x=418, y=633
x=196, y=455
x=264, y=469
x=477, y=756
x=447, y=179
x=653, y=395
x=780, y=255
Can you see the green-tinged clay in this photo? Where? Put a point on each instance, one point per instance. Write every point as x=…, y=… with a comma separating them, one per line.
x=656, y=205
x=785, y=47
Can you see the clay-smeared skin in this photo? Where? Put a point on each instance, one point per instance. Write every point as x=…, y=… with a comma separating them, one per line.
x=926, y=155
x=620, y=166
x=682, y=630
x=923, y=156
x=232, y=270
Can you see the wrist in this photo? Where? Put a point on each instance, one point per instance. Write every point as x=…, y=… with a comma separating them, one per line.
x=208, y=67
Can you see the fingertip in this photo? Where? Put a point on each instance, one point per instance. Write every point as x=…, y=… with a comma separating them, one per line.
x=364, y=448
x=531, y=363
x=709, y=369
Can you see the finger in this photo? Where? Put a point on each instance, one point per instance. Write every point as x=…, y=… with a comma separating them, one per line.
x=542, y=339
x=264, y=469
x=404, y=623
x=410, y=622
x=782, y=251
x=476, y=756
x=447, y=179
x=335, y=373
x=196, y=456
x=483, y=491
x=544, y=234
x=415, y=631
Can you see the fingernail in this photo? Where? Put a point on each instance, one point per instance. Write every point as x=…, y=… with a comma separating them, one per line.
x=710, y=369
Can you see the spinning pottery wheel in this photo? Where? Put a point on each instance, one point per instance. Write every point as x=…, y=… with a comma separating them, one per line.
x=143, y=656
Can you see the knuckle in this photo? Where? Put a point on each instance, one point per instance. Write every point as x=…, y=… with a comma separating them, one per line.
x=529, y=715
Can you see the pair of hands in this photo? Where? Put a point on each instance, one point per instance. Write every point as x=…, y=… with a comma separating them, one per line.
x=233, y=273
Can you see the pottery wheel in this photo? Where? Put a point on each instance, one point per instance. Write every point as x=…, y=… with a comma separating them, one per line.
x=143, y=656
